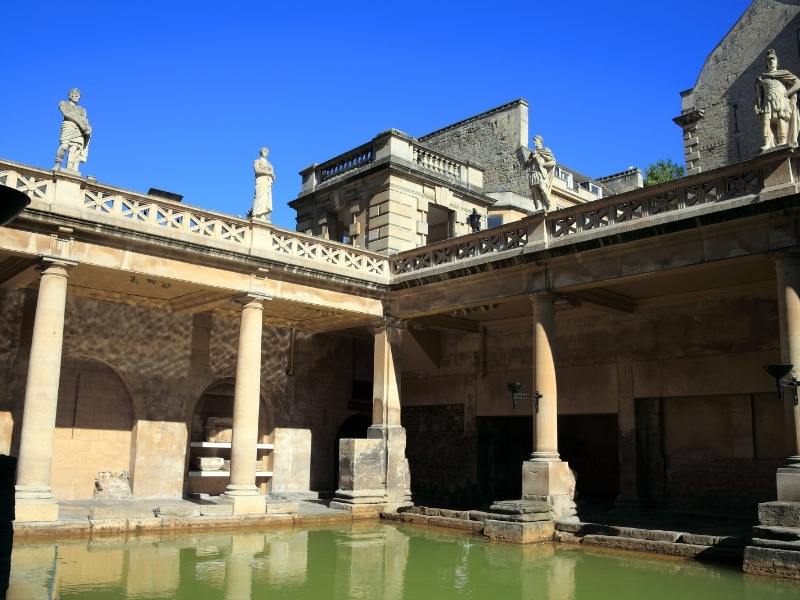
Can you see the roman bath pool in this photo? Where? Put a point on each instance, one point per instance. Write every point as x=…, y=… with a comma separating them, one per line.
x=370, y=561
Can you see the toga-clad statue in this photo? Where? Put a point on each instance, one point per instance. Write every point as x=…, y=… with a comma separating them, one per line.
x=541, y=166
x=776, y=104
x=75, y=132
x=265, y=177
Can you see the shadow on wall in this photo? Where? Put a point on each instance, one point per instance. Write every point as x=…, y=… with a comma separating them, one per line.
x=8, y=472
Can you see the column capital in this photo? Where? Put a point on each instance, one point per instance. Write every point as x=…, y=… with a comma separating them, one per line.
x=543, y=297
x=54, y=265
x=388, y=322
x=251, y=299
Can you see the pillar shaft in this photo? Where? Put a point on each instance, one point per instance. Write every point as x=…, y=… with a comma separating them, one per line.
x=544, y=378
x=41, y=391
x=387, y=373
x=247, y=395
x=788, y=271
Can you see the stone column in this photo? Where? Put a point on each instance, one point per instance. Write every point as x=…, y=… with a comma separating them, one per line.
x=545, y=430
x=241, y=490
x=788, y=271
x=387, y=375
x=545, y=474
x=34, y=497
x=374, y=473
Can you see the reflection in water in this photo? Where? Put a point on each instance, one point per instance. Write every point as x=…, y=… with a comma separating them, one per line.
x=371, y=561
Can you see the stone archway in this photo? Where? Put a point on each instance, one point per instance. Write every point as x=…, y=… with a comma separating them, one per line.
x=93, y=427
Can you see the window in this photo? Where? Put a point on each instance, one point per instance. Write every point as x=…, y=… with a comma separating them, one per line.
x=495, y=221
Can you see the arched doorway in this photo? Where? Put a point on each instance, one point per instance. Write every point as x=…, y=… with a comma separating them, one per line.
x=93, y=427
x=210, y=434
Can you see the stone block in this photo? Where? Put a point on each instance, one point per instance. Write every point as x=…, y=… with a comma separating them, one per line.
x=547, y=478
x=788, y=484
x=771, y=561
x=520, y=507
x=460, y=524
x=360, y=464
x=291, y=465
x=282, y=508
x=521, y=533
x=359, y=511
x=245, y=505
x=655, y=535
x=26, y=512
x=779, y=514
x=178, y=510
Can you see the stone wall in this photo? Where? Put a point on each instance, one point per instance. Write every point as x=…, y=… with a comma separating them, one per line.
x=675, y=346
x=148, y=367
x=494, y=141
x=730, y=130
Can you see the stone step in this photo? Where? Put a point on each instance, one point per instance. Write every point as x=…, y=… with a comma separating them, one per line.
x=779, y=514
x=478, y=515
x=766, y=532
x=794, y=546
x=520, y=507
x=696, y=551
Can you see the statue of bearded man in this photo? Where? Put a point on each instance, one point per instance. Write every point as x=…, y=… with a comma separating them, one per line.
x=776, y=104
x=75, y=133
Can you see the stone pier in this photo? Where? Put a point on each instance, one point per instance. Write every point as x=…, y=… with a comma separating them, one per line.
x=373, y=472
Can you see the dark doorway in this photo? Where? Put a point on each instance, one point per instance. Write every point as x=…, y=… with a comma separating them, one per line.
x=503, y=444
x=589, y=443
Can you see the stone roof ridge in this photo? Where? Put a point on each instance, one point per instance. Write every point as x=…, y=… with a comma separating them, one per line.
x=477, y=117
x=612, y=175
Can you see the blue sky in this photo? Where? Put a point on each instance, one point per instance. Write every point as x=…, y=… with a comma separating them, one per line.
x=182, y=95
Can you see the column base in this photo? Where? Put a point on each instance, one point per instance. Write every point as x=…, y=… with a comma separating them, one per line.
x=245, y=504
x=27, y=510
x=788, y=483
x=552, y=481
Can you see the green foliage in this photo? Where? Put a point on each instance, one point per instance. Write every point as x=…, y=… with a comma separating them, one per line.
x=661, y=171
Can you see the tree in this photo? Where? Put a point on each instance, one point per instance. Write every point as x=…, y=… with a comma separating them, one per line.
x=661, y=171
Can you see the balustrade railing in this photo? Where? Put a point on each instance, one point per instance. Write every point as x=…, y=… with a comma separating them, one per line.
x=438, y=163
x=357, y=158
x=143, y=212
x=595, y=217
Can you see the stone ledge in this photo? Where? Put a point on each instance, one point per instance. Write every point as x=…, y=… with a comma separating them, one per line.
x=771, y=561
x=520, y=533
x=779, y=514
x=695, y=551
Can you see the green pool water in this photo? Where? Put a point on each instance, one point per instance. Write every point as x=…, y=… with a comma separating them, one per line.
x=374, y=561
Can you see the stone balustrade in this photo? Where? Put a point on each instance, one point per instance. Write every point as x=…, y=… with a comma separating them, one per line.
x=759, y=179
x=398, y=148
x=438, y=163
x=76, y=197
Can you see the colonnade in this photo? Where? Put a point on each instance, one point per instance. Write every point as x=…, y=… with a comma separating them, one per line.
x=543, y=475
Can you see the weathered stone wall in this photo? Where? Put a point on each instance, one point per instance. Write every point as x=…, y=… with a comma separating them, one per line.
x=677, y=346
x=492, y=140
x=730, y=130
x=160, y=363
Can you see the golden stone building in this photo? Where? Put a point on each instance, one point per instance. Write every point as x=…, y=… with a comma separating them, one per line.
x=140, y=335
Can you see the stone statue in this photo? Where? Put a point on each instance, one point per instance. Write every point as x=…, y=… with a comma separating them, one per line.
x=265, y=177
x=75, y=132
x=474, y=220
x=776, y=103
x=541, y=166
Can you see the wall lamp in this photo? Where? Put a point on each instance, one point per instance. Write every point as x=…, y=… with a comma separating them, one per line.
x=12, y=202
x=517, y=394
x=779, y=372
